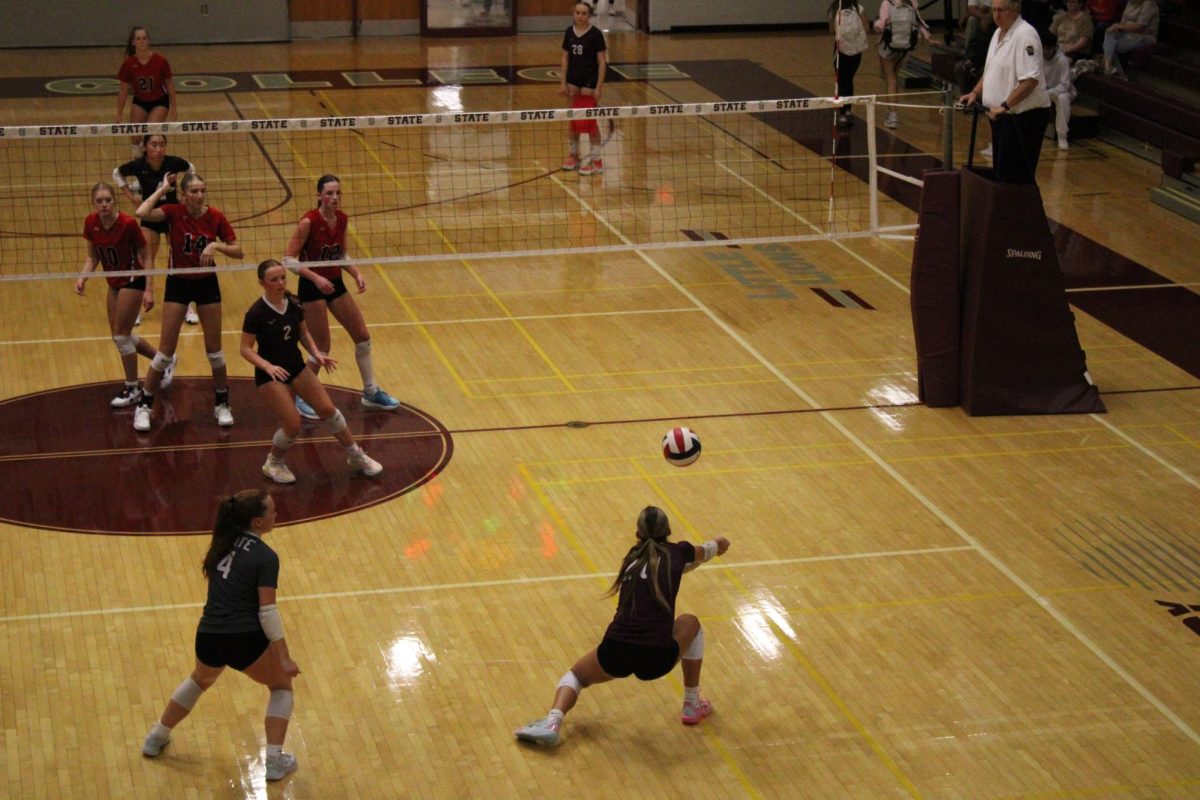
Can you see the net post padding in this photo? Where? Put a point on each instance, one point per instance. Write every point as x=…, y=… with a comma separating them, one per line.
x=1020, y=351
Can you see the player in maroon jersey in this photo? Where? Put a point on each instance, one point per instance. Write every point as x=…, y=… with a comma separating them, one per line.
x=149, y=77
x=584, y=66
x=198, y=233
x=321, y=236
x=115, y=243
x=272, y=332
x=645, y=638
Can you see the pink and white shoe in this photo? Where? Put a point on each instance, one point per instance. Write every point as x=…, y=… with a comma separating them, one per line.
x=694, y=712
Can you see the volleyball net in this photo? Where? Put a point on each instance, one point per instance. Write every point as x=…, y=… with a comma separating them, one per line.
x=472, y=184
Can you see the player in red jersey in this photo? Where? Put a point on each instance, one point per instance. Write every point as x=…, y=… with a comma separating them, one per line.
x=115, y=243
x=321, y=236
x=198, y=233
x=645, y=638
x=149, y=76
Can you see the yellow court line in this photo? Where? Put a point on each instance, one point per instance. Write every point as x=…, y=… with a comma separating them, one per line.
x=370, y=150
x=525, y=334
x=520, y=327
x=726, y=756
x=604, y=389
x=754, y=470
x=622, y=373
x=552, y=510
x=422, y=329
x=795, y=650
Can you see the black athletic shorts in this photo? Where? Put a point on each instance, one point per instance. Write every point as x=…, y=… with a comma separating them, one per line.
x=150, y=105
x=137, y=284
x=237, y=650
x=261, y=377
x=201, y=291
x=158, y=227
x=309, y=292
x=622, y=659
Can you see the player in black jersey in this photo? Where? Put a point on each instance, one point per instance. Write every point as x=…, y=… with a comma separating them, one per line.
x=240, y=626
x=145, y=174
x=275, y=323
x=645, y=638
x=583, y=69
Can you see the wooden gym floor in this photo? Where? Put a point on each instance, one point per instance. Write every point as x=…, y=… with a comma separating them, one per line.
x=916, y=604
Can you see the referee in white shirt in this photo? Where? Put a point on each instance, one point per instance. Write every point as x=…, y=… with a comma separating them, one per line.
x=1014, y=92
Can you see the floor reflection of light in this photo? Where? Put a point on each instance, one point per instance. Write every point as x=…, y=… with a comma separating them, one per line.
x=890, y=395
x=448, y=98
x=754, y=620
x=406, y=659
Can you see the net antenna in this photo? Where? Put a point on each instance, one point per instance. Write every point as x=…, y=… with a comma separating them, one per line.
x=465, y=185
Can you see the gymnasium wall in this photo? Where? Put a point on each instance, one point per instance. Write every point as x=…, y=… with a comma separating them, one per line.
x=76, y=23
x=666, y=15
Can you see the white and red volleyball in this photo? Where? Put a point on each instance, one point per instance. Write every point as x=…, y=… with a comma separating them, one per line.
x=681, y=446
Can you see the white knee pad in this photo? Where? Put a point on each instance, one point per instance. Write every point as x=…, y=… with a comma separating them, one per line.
x=362, y=349
x=217, y=359
x=313, y=359
x=569, y=680
x=280, y=704
x=281, y=440
x=160, y=362
x=187, y=693
x=126, y=345
x=695, y=650
x=336, y=423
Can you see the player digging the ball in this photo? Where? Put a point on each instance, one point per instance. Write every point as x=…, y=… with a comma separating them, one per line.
x=645, y=638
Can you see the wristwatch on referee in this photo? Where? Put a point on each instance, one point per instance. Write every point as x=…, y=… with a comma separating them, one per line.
x=1007, y=108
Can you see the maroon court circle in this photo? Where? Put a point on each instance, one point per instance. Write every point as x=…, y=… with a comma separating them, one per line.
x=68, y=462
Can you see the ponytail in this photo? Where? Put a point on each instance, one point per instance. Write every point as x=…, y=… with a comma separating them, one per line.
x=647, y=554
x=233, y=519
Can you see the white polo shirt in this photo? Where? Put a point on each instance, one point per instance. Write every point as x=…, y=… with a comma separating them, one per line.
x=1012, y=57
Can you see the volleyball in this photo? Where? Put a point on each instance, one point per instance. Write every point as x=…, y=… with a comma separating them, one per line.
x=681, y=446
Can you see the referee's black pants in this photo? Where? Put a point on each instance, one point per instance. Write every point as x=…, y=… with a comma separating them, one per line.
x=1017, y=144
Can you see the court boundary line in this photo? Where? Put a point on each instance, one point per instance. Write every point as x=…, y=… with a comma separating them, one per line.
x=997, y=563
x=497, y=583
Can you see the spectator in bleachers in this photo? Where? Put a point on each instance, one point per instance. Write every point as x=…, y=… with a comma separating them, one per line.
x=1104, y=13
x=1138, y=27
x=1056, y=72
x=1074, y=30
x=979, y=18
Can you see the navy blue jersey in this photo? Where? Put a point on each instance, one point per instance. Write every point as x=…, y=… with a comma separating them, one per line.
x=277, y=335
x=583, y=62
x=232, y=605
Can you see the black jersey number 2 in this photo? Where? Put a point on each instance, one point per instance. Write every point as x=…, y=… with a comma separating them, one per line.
x=194, y=244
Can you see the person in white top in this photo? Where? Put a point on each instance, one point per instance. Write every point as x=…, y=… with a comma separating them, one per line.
x=1013, y=91
x=848, y=24
x=892, y=53
x=979, y=15
x=1057, y=73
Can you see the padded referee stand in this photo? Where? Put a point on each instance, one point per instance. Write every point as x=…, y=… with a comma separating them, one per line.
x=1020, y=353
x=936, y=290
x=992, y=326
